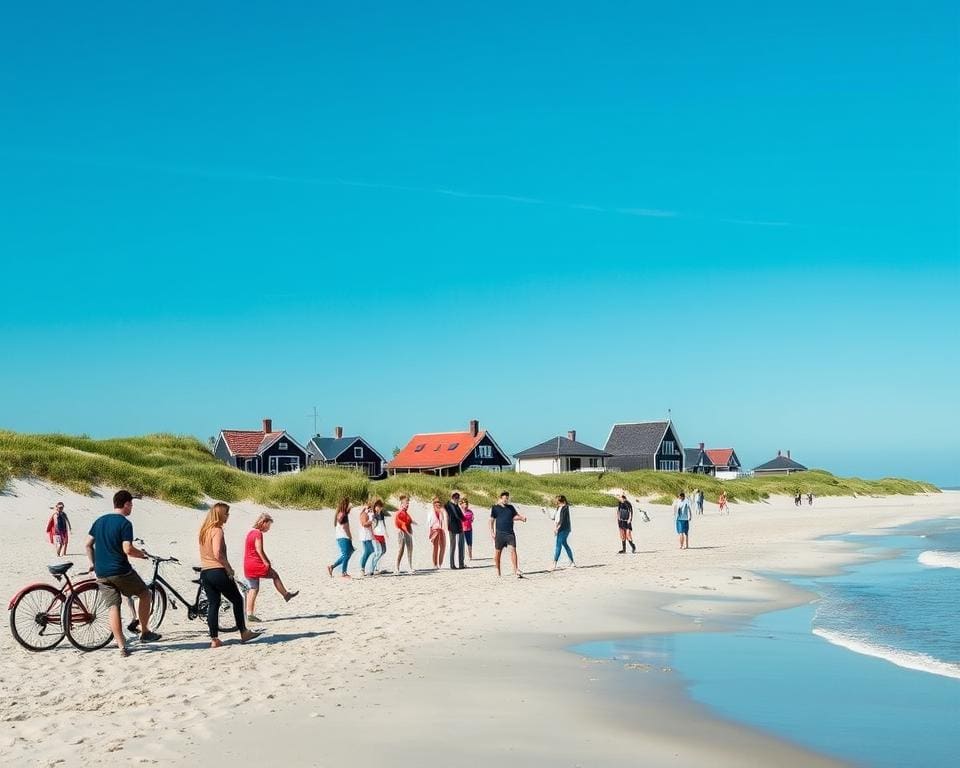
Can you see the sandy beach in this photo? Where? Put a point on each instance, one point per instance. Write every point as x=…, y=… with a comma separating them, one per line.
x=436, y=668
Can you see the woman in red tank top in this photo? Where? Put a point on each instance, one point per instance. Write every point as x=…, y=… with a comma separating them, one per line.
x=256, y=566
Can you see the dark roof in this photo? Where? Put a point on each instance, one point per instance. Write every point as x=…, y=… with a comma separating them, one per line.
x=781, y=462
x=560, y=446
x=692, y=458
x=639, y=439
x=331, y=447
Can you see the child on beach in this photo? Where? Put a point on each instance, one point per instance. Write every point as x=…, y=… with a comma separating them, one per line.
x=404, y=525
x=341, y=522
x=467, y=525
x=379, y=534
x=256, y=566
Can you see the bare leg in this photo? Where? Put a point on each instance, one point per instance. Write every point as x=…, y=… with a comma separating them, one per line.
x=252, y=600
x=409, y=556
x=116, y=628
x=496, y=559
x=143, y=612
x=513, y=561
x=443, y=548
x=278, y=585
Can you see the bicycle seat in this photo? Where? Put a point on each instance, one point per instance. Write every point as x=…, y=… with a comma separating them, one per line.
x=196, y=569
x=59, y=570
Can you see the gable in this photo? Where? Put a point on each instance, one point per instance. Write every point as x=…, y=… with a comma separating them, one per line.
x=638, y=439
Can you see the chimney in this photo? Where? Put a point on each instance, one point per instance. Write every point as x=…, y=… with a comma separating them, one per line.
x=701, y=446
x=778, y=453
x=474, y=427
x=572, y=435
x=788, y=454
x=338, y=432
x=268, y=425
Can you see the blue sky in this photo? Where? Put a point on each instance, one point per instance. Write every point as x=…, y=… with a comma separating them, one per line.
x=547, y=217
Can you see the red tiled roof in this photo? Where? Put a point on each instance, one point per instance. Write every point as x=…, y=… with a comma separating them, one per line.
x=248, y=442
x=720, y=456
x=440, y=449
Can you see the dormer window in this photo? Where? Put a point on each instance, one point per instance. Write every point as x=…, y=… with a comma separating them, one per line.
x=452, y=446
x=419, y=447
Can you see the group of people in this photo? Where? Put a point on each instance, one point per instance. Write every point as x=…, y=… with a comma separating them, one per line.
x=110, y=545
x=798, y=499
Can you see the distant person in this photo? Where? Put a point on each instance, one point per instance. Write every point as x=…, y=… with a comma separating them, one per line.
x=561, y=530
x=681, y=512
x=109, y=547
x=379, y=533
x=437, y=534
x=59, y=529
x=723, y=503
x=502, y=517
x=798, y=499
x=366, y=537
x=467, y=515
x=455, y=530
x=256, y=566
x=698, y=496
x=625, y=524
x=404, y=525
x=217, y=576
x=341, y=525
x=810, y=499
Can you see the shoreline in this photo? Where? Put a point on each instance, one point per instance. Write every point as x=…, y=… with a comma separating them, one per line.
x=392, y=665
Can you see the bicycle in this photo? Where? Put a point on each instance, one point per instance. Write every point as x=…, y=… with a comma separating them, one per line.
x=38, y=611
x=198, y=608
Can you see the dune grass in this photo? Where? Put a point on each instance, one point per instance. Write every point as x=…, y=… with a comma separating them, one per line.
x=183, y=471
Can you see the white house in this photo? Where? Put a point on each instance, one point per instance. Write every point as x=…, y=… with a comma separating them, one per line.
x=561, y=454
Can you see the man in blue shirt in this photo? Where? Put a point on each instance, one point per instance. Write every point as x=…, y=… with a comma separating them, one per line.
x=502, y=516
x=681, y=511
x=109, y=547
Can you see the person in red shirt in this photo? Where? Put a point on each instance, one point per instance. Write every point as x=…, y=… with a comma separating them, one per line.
x=404, y=525
x=256, y=566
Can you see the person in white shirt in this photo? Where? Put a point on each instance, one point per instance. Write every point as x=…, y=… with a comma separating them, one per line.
x=681, y=512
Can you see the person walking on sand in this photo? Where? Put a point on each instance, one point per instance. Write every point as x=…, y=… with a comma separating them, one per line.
x=217, y=576
x=467, y=515
x=625, y=524
x=436, y=532
x=109, y=547
x=723, y=503
x=681, y=512
x=455, y=530
x=809, y=499
x=561, y=530
x=404, y=523
x=59, y=529
x=366, y=537
x=698, y=498
x=502, y=517
x=256, y=566
x=341, y=524
x=379, y=533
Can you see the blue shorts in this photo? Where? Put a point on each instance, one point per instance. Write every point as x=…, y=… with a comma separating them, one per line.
x=683, y=526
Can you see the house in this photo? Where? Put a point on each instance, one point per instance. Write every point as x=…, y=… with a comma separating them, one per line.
x=561, y=454
x=645, y=445
x=449, y=453
x=697, y=460
x=350, y=452
x=781, y=465
x=260, y=451
x=726, y=463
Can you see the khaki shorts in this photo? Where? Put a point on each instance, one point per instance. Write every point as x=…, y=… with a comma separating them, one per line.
x=127, y=584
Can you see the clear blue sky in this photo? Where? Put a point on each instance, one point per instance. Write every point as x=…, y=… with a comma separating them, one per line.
x=549, y=217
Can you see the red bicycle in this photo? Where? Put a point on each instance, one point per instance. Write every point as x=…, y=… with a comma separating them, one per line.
x=38, y=618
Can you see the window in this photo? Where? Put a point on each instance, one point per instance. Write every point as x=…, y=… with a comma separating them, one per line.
x=484, y=452
x=669, y=448
x=283, y=446
x=419, y=447
x=669, y=465
x=452, y=446
x=357, y=452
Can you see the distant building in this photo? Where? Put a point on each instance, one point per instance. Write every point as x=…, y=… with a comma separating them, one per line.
x=260, y=451
x=561, y=454
x=645, y=445
x=348, y=452
x=781, y=465
x=722, y=463
x=697, y=461
x=449, y=453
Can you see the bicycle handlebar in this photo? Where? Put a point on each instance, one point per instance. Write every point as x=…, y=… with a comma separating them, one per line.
x=155, y=558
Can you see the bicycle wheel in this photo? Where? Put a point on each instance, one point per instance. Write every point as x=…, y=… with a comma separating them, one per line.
x=87, y=619
x=35, y=618
x=158, y=606
x=226, y=621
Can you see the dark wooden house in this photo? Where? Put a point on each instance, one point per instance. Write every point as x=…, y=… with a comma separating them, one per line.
x=349, y=452
x=260, y=451
x=697, y=460
x=449, y=453
x=645, y=445
x=780, y=465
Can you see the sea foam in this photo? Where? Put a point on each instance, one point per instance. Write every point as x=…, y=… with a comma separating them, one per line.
x=938, y=559
x=906, y=659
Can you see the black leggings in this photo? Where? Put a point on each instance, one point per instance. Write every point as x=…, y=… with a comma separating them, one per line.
x=217, y=584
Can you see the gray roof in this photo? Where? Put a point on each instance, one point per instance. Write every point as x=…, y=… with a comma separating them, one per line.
x=639, y=439
x=693, y=456
x=331, y=447
x=781, y=462
x=560, y=446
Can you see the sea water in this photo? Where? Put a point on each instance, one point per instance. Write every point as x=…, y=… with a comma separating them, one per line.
x=869, y=672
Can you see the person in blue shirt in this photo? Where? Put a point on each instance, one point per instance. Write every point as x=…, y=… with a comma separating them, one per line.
x=681, y=512
x=109, y=547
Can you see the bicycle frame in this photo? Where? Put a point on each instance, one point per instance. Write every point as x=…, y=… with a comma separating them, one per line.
x=64, y=590
x=158, y=579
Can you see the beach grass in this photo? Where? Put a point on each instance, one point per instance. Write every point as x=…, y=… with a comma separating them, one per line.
x=182, y=470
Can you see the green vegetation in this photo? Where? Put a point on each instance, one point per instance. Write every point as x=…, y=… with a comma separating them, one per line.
x=183, y=471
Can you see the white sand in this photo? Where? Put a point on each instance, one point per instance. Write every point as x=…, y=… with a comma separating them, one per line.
x=442, y=668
